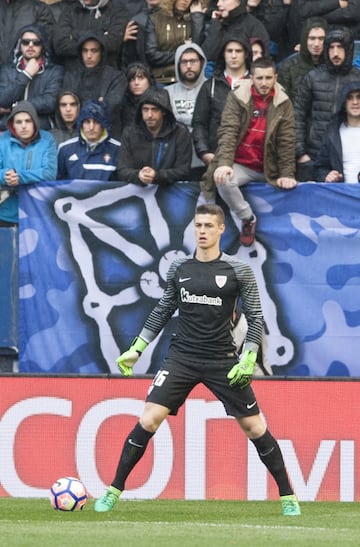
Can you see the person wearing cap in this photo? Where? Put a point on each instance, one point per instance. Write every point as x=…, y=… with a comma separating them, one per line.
x=27, y=156
x=93, y=154
x=316, y=99
x=157, y=149
x=339, y=156
x=31, y=76
x=66, y=115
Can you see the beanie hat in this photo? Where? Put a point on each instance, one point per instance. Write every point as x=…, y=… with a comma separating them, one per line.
x=95, y=110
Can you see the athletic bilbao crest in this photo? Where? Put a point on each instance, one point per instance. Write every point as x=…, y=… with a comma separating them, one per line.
x=220, y=280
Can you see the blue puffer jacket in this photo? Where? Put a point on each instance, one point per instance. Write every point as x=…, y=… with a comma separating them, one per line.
x=33, y=162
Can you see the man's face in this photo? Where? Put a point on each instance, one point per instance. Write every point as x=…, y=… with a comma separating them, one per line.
x=208, y=230
x=234, y=55
x=315, y=42
x=92, y=129
x=91, y=2
x=352, y=104
x=253, y=3
x=153, y=117
x=189, y=66
x=336, y=53
x=24, y=126
x=264, y=80
x=31, y=46
x=91, y=53
x=224, y=6
x=69, y=109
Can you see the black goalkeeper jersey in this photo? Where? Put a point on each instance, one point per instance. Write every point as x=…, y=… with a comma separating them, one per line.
x=206, y=295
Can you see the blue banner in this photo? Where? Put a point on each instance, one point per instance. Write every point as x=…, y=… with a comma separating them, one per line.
x=93, y=259
x=8, y=291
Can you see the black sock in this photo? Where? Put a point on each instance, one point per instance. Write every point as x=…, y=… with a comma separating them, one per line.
x=270, y=454
x=134, y=448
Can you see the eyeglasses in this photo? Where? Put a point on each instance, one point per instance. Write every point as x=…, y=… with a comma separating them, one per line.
x=26, y=42
x=191, y=62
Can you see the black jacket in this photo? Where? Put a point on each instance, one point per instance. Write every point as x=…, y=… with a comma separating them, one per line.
x=76, y=20
x=41, y=90
x=292, y=70
x=330, y=156
x=206, y=120
x=14, y=15
x=333, y=13
x=211, y=100
x=316, y=101
x=238, y=22
x=169, y=153
x=102, y=82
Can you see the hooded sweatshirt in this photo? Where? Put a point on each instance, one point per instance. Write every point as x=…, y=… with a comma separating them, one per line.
x=169, y=153
x=183, y=97
x=332, y=152
x=102, y=81
x=61, y=132
x=42, y=89
x=292, y=70
x=316, y=101
x=34, y=161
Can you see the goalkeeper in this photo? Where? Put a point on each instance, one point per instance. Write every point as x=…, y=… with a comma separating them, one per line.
x=205, y=288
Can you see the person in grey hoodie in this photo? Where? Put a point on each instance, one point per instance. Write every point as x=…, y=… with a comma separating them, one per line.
x=190, y=62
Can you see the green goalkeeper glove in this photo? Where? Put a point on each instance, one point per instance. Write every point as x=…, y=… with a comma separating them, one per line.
x=242, y=372
x=127, y=360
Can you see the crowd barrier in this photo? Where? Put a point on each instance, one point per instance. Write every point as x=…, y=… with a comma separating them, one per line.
x=57, y=426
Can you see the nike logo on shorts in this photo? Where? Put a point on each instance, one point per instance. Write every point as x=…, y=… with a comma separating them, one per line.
x=251, y=405
x=182, y=279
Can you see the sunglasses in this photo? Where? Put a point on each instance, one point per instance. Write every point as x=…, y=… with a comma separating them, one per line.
x=26, y=42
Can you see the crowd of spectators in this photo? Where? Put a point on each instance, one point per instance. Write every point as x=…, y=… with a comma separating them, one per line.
x=158, y=74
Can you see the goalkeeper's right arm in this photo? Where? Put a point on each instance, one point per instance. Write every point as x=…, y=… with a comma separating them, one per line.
x=127, y=360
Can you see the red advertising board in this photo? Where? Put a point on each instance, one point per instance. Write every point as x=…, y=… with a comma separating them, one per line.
x=52, y=427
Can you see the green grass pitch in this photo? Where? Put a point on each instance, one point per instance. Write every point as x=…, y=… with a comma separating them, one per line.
x=172, y=523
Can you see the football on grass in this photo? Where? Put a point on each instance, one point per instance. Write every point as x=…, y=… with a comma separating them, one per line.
x=68, y=494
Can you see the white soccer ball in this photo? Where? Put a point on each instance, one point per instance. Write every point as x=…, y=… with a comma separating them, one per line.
x=68, y=494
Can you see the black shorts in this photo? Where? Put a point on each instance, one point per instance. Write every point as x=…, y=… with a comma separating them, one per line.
x=174, y=381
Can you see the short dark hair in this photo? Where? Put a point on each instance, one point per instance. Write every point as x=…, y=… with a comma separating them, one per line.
x=263, y=62
x=211, y=209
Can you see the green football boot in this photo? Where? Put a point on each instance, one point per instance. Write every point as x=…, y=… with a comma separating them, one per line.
x=108, y=500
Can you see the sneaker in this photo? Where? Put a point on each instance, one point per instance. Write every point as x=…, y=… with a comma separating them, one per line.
x=107, y=501
x=247, y=234
x=290, y=506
